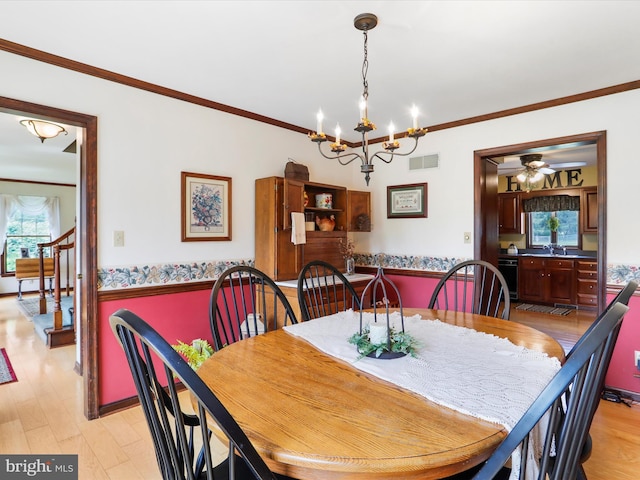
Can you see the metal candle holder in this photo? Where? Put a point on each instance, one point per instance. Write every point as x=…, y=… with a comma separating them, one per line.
x=380, y=281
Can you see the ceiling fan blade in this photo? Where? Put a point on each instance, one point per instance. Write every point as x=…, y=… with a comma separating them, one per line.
x=569, y=164
x=546, y=170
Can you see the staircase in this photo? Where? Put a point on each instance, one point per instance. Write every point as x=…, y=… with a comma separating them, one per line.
x=58, y=334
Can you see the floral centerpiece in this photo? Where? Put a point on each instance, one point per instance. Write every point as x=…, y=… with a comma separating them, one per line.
x=195, y=353
x=401, y=343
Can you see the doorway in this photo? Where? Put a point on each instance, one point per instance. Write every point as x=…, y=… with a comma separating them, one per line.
x=86, y=236
x=486, y=246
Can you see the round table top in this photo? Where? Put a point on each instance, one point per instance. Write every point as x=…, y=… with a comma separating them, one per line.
x=311, y=415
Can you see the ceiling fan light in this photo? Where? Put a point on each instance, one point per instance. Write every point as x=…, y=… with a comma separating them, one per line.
x=42, y=129
x=521, y=177
x=537, y=177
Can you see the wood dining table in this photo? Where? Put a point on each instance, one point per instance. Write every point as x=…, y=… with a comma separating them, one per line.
x=313, y=416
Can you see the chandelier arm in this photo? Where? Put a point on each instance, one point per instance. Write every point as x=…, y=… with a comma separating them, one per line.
x=384, y=152
x=341, y=158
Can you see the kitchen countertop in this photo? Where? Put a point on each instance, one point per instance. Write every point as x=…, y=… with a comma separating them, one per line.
x=568, y=256
x=352, y=278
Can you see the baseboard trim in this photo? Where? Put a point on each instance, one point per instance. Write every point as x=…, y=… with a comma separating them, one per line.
x=626, y=394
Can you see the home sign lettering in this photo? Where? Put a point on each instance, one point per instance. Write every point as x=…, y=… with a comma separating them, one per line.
x=551, y=180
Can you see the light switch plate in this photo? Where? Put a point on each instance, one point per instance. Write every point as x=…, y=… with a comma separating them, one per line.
x=118, y=238
x=467, y=237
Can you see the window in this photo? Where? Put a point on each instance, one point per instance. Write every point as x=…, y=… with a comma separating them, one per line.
x=567, y=233
x=26, y=221
x=24, y=230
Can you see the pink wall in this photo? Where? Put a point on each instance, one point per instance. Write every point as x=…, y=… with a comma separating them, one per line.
x=184, y=316
x=415, y=291
x=621, y=370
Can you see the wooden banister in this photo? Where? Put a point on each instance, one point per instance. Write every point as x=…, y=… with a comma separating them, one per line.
x=58, y=247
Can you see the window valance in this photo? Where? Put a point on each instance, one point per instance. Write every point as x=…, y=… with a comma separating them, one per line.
x=31, y=205
x=554, y=203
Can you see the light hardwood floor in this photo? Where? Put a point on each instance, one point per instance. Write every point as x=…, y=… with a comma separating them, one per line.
x=42, y=412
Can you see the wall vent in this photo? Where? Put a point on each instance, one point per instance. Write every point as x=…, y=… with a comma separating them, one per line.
x=426, y=161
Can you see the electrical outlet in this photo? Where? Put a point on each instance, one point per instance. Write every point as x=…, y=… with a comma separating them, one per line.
x=467, y=237
x=636, y=361
x=118, y=238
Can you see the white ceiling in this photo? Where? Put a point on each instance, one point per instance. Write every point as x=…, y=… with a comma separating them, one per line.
x=287, y=59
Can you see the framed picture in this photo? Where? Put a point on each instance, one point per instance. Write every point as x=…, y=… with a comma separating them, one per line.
x=407, y=201
x=206, y=207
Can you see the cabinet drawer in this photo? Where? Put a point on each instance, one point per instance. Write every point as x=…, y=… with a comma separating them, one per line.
x=531, y=263
x=587, y=286
x=587, y=274
x=587, y=265
x=557, y=263
x=587, y=300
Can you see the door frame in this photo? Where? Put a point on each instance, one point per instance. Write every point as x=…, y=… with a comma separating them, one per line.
x=86, y=239
x=486, y=246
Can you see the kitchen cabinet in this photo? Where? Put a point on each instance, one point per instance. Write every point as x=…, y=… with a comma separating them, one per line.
x=589, y=210
x=275, y=199
x=547, y=280
x=510, y=213
x=587, y=283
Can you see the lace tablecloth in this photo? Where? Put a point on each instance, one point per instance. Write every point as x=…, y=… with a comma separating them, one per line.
x=475, y=373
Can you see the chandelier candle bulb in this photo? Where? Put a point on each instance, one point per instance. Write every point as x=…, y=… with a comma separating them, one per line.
x=363, y=109
x=377, y=334
x=414, y=115
x=338, y=132
x=391, y=128
x=319, y=117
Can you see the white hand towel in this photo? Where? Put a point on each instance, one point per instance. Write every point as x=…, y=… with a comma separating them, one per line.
x=298, y=235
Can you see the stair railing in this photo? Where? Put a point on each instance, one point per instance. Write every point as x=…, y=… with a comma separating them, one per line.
x=62, y=243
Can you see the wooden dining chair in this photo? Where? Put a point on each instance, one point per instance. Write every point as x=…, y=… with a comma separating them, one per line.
x=571, y=399
x=473, y=286
x=622, y=297
x=245, y=302
x=323, y=290
x=155, y=367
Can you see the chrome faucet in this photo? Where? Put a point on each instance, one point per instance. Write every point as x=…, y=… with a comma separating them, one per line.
x=550, y=248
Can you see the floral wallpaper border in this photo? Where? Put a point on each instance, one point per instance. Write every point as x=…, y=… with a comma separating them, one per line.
x=408, y=262
x=114, y=278
x=618, y=274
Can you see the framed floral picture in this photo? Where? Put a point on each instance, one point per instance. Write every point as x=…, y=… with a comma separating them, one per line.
x=206, y=207
x=407, y=201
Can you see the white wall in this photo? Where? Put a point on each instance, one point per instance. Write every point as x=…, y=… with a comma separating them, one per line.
x=451, y=204
x=145, y=141
x=67, y=196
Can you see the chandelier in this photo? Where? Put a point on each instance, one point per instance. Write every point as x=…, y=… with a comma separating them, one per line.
x=365, y=22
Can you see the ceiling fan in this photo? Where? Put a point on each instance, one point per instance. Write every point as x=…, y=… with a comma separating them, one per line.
x=532, y=169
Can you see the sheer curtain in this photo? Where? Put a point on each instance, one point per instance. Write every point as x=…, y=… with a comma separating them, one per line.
x=9, y=204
